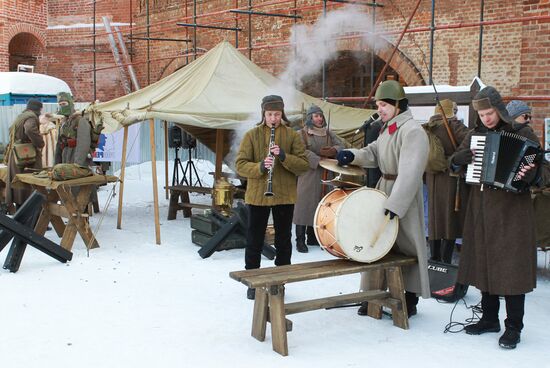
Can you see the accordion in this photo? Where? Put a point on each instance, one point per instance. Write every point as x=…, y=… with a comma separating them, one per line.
x=498, y=158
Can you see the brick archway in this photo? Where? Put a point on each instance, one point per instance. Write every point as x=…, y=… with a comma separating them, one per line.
x=400, y=63
x=26, y=46
x=26, y=28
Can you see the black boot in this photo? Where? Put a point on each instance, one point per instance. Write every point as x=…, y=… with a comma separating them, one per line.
x=251, y=293
x=514, y=321
x=301, y=239
x=448, y=246
x=489, y=321
x=435, y=250
x=363, y=309
x=311, y=238
x=412, y=301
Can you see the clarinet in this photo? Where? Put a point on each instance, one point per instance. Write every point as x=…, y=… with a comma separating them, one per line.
x=269, y=190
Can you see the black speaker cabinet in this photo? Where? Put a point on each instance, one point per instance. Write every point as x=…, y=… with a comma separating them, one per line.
x=175, y=137
x=443, y=285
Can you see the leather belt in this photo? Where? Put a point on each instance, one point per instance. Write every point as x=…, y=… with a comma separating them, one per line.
x=389, y=176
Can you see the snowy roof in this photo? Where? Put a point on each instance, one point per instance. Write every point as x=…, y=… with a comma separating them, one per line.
x=31, y=83
x=444, y=88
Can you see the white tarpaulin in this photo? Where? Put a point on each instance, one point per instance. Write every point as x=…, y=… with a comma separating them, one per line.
x=220, y=90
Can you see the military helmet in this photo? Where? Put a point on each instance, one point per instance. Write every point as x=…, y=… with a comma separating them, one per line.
x=390, y=90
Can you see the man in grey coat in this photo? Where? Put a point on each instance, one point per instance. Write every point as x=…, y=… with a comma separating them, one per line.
x=401, y=153
x=319, y=142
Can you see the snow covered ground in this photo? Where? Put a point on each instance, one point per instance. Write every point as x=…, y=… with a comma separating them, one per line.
x=132, y=303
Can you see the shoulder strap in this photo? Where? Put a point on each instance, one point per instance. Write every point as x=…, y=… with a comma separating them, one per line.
x=304, y=137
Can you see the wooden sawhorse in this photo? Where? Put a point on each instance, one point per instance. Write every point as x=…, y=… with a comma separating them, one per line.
x=62, y=203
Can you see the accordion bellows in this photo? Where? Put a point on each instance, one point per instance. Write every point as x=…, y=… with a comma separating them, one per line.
x=498, y=158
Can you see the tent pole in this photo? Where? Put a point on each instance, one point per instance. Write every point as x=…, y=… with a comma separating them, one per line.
x=122, y=171
x=166, y=158
x=219, y=153
x=154, y=174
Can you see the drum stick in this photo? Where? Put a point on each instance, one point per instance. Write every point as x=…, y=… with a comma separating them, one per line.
x=380, y=230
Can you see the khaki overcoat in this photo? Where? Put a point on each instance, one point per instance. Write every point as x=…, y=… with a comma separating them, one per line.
x=26, y=132
x=252, y=152
x=443, y=221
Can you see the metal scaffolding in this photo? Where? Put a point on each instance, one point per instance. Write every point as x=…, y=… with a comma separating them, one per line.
x=249, y=10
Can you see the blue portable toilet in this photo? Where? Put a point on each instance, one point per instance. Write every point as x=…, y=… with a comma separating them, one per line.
x=16, y=88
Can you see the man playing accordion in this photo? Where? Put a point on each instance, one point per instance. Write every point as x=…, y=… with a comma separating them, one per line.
x=499, y=252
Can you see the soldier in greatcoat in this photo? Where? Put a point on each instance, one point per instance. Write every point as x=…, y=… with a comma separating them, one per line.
x=499, y=254
x=25, y=129
x=319, y=142
x=73, y=144
x=401, y=153
x=444, y=220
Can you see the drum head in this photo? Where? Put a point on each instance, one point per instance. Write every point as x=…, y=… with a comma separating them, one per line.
x=361, y=227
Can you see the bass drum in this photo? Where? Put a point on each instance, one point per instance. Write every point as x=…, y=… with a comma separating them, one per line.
x=350, y=223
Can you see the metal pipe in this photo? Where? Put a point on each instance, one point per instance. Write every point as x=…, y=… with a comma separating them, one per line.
x=249, y=31
x=236, y=25
x=158, y=39
x=379, y=79
x=417, y=30
x=372, y=59
x=265, y=14
x=148, y=43
x=187, y=34
x=432, y=33
x=324, y=67
x=95, y=61
x=505, y=98
x=209, y=27
x=194, y=30
x=373, y=4
x=479, y=55
x=131, y=33
x=142, y=62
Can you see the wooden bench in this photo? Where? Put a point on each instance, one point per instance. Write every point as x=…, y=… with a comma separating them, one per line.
x=269, y=305
x=185, y=205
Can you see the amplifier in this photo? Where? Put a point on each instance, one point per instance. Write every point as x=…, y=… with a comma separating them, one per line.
x=443, y=285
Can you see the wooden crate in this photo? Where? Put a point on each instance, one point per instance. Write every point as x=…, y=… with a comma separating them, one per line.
x=233, y=241
x=203, y=224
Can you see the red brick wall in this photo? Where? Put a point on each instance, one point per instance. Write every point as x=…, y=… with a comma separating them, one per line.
x=18, y=17
x=515, y=56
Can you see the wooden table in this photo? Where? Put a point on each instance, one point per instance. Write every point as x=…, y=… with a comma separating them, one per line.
x=182, y=191
x=62, y=203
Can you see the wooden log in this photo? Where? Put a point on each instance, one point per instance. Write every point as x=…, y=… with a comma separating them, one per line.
x=39, y=242
x=154, y=175
x=122, y=172
x=278, y=319
x=166, y=192
x=23, y=215
x=397, y=291
x=334, y=301
x=259, y=318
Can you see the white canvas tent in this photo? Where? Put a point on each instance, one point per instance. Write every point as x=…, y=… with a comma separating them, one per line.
x=215, y=94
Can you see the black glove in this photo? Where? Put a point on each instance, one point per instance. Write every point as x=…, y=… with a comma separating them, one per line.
x=463, y=157
x=345, y=157
x=392, y=215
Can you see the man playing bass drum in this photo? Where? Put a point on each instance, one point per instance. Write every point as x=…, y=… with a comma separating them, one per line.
x=401, y=153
